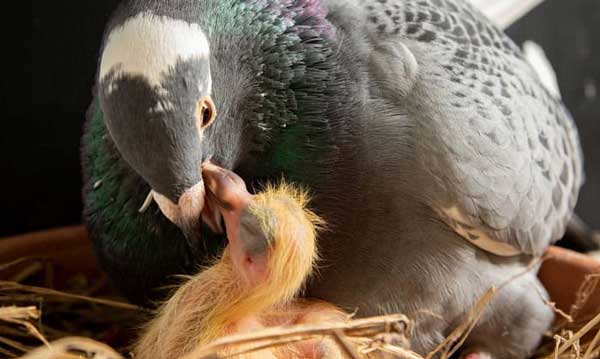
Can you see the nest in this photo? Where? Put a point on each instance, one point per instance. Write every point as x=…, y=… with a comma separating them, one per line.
x=49, y=313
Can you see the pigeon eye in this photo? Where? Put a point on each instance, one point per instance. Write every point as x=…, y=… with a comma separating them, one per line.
x=206, y=112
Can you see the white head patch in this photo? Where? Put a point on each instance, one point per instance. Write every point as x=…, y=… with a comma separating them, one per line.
x=150, y=45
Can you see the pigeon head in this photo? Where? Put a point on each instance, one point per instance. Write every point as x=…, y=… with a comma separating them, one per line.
x=155, y=92
x=173, y=96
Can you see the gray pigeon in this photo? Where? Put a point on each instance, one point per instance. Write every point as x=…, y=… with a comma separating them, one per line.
x=433, y=151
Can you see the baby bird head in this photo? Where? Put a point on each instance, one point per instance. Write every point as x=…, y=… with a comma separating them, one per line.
x=279, y=226
x=272, y=235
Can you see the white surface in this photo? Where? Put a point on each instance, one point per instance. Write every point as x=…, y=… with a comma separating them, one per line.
x=537, y=59
x=505, y=12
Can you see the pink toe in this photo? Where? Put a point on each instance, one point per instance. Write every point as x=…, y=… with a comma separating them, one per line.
x=477, y=355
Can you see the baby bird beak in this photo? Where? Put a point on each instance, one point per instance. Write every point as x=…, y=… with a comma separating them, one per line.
x=226, y=194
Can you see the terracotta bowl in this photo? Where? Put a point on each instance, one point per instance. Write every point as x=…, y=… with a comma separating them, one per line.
x=67, y=250
x=70, y=251
x=563, y=274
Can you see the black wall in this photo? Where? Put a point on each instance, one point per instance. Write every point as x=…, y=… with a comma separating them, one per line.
x=39, y=141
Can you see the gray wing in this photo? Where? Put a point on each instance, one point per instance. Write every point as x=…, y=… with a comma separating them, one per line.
x=503, y=153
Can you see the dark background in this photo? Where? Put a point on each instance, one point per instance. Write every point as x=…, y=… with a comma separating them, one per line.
x=39, y=141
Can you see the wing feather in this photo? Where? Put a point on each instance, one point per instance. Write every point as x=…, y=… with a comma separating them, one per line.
x=503, y=152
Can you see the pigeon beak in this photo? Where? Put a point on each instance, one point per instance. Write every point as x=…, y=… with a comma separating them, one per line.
x=224, y=196
x=187, y=212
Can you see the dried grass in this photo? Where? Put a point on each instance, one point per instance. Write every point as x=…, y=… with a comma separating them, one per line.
x=27, y=321
x=369, y=334
x=31, y=315
x=576, y=338
x=74, y=348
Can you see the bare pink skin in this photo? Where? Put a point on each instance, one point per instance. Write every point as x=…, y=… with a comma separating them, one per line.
x=477, y=355
x=228, y=193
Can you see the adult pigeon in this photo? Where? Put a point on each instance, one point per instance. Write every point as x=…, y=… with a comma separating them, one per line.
x=433, y=151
